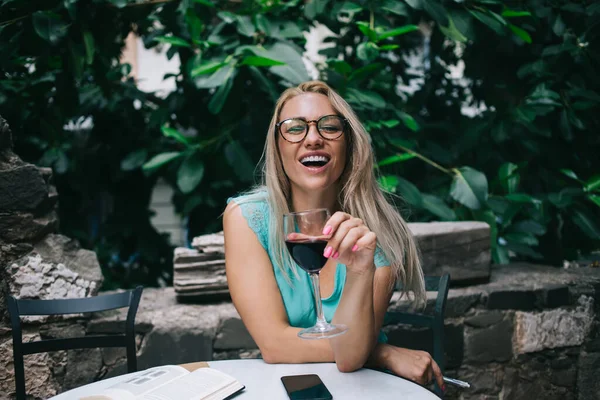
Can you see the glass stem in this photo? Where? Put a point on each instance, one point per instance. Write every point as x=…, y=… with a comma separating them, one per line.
x=314, y=277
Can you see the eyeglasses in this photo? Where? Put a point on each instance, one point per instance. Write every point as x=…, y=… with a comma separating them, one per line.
x=294, y=130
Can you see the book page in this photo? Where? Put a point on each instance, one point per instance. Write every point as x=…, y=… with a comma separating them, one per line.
x=144, y=382
x=195, y=386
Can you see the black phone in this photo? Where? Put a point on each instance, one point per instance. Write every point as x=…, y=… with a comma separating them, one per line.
x=305, y=387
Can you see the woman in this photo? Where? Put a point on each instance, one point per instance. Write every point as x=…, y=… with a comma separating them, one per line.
x=317, y=155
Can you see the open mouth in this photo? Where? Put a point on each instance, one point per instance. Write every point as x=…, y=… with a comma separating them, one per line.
x=314, y=161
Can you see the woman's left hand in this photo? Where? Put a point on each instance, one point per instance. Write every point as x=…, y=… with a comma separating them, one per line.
x=351, y=242
x=415, y=365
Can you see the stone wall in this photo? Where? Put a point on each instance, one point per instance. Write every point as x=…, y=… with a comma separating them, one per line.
x=532, y=332
x=35, y=262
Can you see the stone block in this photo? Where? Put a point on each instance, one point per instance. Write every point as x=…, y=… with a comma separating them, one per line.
x=587, y=379
x=20, y=226
x=553, y=328
x=461, y=249
x=234, y=335
x=39, y=382
x=83, y=366
x=490, y=343
x=23, y=188
x=175, y=347
x=485, y=319
x=422, y=339
x=554, y=297
x=512, y=300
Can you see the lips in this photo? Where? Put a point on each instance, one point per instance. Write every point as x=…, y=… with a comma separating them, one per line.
x=315, y=161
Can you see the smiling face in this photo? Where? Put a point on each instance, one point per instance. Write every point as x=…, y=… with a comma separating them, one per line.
x=314, y=164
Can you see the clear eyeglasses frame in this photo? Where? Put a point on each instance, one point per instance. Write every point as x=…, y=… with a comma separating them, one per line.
x=329, y=127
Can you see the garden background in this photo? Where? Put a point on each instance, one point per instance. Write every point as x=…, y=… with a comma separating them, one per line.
x=477, y=109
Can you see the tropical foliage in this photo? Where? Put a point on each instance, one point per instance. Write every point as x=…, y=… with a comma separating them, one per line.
x=479, y=109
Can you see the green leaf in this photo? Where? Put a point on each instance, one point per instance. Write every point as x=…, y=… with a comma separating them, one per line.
x=593, y=183
x=522, y=198
x=205, y=2
x=388, y=183
x=386, y=47
x=260, y=61
x=49, y=26
x=390, y=123
x=521, y=238
x=314, y=7
x=263, y=24
x=367, y=51
x=245, y=26
x=594, y=198
x=585, y=221
x=437, y=11
x=490, y=21
x=523, y=34
x=500, y=255
x=409, y=192
x=174, y=133
x=217, y=79
x=217, y=101
x=190, y=172
x=340, y=66
x=350, y=8
x=365, y=28
x=408, y=121
x=398, y=31
x=160, y=159
x=173, y=41
x=396, y=158
x=88, y=41
x=436, y=206
x=207, y=68
x=416, y=4
x=509, y=178
x=119, y=3
x=528, y=226
x=395, y=7
x=240, y=161
x=294, y=70
x=570, y=174
x=469, y=187
x=265, y=84
x=366, y=98
x=452, y=32
x=513, y=13
x=523, y=250
x=134, y=160
x=362, y=73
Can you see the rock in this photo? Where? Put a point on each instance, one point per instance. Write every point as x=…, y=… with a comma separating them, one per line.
x=199, y=275
x=23, y=188
x=213, y=243
x=234, y=335
x=461, y=249
x=512, y=300
x=491, y=343
x=554, y=328
x=19, y=226
x=39, y=382
x=587, y=379
x=83, y=366
x=484, y=319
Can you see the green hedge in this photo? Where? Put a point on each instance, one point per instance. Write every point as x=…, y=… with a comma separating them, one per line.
x=525, y=160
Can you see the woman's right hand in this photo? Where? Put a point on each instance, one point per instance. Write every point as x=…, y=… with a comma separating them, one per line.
x=415, y=365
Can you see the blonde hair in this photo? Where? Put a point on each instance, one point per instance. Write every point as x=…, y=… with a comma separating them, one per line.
x=360, y=195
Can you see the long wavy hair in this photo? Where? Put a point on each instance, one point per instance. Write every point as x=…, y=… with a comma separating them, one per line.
x=360, y=195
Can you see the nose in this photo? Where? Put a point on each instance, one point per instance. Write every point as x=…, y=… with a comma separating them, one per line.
x=313, y=138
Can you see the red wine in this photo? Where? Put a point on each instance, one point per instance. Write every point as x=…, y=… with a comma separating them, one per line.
x=308, y=254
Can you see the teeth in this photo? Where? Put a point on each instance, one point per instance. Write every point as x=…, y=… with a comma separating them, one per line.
x=314, y=159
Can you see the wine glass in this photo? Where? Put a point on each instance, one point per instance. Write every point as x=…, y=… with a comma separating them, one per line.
x=306, y=243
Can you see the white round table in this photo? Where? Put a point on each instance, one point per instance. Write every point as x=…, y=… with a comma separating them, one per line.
x=263, y=381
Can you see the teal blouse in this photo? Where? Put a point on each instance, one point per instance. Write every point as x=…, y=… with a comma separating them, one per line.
x=297, y=292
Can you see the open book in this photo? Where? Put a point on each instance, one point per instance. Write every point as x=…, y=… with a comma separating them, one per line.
x=171, y=382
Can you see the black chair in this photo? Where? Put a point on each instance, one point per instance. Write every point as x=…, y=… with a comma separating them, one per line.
x=434, y=321
x=18, y=308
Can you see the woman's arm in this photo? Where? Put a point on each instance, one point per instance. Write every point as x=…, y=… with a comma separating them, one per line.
x=255, y=295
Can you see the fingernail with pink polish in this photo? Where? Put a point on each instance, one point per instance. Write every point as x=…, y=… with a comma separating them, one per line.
x=327, y=230
x=336, y=255
x=328, y=251
x=355, y=247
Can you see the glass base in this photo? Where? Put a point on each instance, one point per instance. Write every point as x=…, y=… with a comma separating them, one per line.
x=323, y=331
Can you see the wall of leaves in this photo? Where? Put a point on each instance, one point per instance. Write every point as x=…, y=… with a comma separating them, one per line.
x=526, y=162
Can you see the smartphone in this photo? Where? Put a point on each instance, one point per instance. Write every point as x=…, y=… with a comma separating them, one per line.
x=305, y=387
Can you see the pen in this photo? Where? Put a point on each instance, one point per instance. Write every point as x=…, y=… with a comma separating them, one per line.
x=457, y=382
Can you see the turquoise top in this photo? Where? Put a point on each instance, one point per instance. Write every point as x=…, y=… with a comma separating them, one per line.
x=297, y=293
